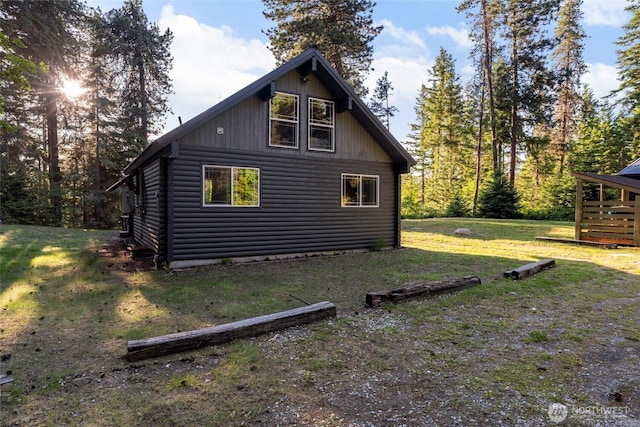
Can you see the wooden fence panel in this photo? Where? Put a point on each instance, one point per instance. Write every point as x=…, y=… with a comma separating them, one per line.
x=610, y=220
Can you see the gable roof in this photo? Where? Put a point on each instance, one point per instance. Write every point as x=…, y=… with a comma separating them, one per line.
x=632, y=169
x=307, y=62
x=616, y=181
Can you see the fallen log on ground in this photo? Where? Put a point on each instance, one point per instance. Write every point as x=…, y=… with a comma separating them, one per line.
x=417, y=289
x=5, y=379
x=604, y=245
x=529, y=269
x=192, y=340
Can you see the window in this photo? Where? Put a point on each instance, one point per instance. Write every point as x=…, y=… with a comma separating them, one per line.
x=321, y=124
x=231, y=186
x=283, y=120
x=359, y=190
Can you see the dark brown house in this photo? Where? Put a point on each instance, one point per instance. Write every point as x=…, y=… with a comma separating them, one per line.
x=294, y=163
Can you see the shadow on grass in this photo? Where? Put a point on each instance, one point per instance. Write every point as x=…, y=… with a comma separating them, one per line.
x=67, y=333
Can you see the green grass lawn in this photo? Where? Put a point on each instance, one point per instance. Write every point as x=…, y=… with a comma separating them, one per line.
x=497, y=353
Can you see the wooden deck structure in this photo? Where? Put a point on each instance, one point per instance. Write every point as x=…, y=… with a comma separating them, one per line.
x=610, y=221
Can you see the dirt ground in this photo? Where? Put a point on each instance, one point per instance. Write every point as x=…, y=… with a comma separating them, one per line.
x=118, y=257
x=525, y=354
x=393, y=378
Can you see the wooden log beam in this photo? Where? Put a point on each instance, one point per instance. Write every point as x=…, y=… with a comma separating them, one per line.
x=529, y=269
x=604, y=245
x=5, y=379
x=417, y=289
x=192, y=340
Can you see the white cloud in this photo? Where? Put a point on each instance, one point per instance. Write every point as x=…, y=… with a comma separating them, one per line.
x=602, y=79
x=408, y=37
x=459, y=35
x=406, y=76
x=209, y=64
x=605, y=12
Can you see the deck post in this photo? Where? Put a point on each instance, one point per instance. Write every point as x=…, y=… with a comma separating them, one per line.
x=579, y=198
x=636, y=223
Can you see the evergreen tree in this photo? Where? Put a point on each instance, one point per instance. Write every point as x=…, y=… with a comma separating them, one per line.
x=499, y=199
x=442, y=132
x=479, y=137
x=569, y=64
x=416, y=147
x=484, y=25
x=523, y=24
x=14, y=198
x=144, y=60
x=342, y=30
x=107, y=151
x=47, y=33
x=591, y=129
x=13, y=70
x=457, y=207
x=380, y=102
x=629, y=64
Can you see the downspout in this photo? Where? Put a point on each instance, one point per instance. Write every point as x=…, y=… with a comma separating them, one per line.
x=398, y=210
x=169, y=212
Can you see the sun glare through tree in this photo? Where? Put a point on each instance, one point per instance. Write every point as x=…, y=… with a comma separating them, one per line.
x=72, y=88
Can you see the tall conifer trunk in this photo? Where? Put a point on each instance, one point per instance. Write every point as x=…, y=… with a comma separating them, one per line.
x=55, y=176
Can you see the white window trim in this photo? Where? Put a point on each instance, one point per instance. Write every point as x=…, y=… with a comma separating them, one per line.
x=296, y=122
x=332, y=127
x=217, y=205
x=360, y=176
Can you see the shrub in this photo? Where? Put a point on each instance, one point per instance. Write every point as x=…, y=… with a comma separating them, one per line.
x=457, y=207
x=499, y=199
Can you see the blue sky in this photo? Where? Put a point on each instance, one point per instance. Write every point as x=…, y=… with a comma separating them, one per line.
x=219, y=47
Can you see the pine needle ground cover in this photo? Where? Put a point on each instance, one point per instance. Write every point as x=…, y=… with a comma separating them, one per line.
x=501, y=353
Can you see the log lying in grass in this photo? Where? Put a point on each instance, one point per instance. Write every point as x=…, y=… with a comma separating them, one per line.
x=378, y=297
x=5, y=379
x=529, y=269
x=191, y=340
x=604, y=245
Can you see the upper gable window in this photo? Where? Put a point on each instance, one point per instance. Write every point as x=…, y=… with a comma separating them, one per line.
x=283, y=120
x=321, y=125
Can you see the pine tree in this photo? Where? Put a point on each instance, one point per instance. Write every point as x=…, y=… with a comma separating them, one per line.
x=415, y=144
x=523, y=24
x=106, y=152
x=569, y=63
x=629, y=64
x=13, y=169
x=441, y=135
x=483, y=33
x=380, y=102
x=342, y=30
x=499, y=199
x=144, y=59
x=47, y=32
